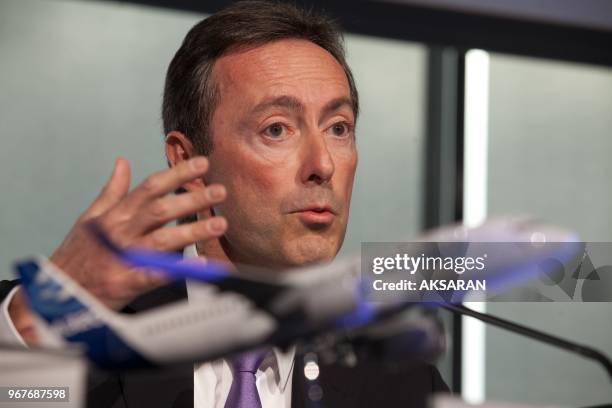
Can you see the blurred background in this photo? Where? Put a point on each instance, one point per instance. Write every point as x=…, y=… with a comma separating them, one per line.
x=469, y=109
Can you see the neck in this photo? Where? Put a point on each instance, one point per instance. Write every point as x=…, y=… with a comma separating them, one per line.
x=213, y=249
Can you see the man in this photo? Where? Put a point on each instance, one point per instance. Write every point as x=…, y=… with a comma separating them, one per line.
x=259, y=114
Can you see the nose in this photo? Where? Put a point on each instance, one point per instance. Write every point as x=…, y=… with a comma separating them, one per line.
x=317, y=163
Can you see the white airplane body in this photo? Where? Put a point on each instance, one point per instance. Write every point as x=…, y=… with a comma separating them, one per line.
x=230, y=314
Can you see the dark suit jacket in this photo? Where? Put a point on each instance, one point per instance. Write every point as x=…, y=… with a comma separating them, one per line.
x=368, y=384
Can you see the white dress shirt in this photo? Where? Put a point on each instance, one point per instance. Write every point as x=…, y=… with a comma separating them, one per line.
x=8, y=332
x=211, y=381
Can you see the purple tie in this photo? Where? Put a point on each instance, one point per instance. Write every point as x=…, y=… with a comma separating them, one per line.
x=243, y=393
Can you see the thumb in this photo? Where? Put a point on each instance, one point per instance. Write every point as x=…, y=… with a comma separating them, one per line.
x=113, y=191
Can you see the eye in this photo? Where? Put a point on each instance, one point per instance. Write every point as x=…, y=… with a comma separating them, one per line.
x=275, y=130
x=341, y=129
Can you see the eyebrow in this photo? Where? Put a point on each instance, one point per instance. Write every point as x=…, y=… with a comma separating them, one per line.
x=334, y=105
x=284, y=101
x=293, y=104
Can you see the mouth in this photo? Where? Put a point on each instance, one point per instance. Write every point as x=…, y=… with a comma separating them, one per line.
x=316, y=214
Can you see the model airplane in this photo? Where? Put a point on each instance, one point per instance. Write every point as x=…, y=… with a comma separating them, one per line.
x=243, y=307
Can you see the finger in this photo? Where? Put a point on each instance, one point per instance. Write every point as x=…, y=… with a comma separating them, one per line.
x=113, y=191
x=166, y=181
x=173, y=207
x=130, y=284
x=144, y=279
x=174, y=238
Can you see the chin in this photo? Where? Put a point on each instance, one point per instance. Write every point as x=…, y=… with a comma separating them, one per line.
x=312, y=250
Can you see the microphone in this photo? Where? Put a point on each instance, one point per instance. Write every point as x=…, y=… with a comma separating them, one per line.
x=555, y=341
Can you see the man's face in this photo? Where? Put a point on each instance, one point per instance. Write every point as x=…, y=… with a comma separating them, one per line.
x=284, y=148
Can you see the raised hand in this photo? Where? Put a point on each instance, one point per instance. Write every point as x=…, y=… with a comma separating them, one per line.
x=138, y=218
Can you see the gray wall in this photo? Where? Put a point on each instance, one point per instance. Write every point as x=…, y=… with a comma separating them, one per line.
x=80, y=85
x=550, y=140
x=387, y=197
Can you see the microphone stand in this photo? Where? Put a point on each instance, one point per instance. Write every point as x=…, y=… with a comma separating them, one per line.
x=584, y=351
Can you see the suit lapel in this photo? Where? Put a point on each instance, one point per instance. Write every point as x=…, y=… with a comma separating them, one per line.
x=342, y=386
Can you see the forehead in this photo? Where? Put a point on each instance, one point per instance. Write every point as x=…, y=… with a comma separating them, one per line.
x=290, y=66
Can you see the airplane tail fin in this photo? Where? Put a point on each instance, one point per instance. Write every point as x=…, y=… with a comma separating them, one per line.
x=75, y=315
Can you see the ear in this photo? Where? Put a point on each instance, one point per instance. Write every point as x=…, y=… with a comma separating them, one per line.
x=179, y=148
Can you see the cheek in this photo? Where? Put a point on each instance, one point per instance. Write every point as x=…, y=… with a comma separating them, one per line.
x=345, y=174
x=254, y=192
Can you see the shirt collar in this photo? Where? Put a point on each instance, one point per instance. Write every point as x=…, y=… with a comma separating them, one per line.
x=190, y=251
x=284, y=359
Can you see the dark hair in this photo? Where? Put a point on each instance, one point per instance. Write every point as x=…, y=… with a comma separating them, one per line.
x=190, y=96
